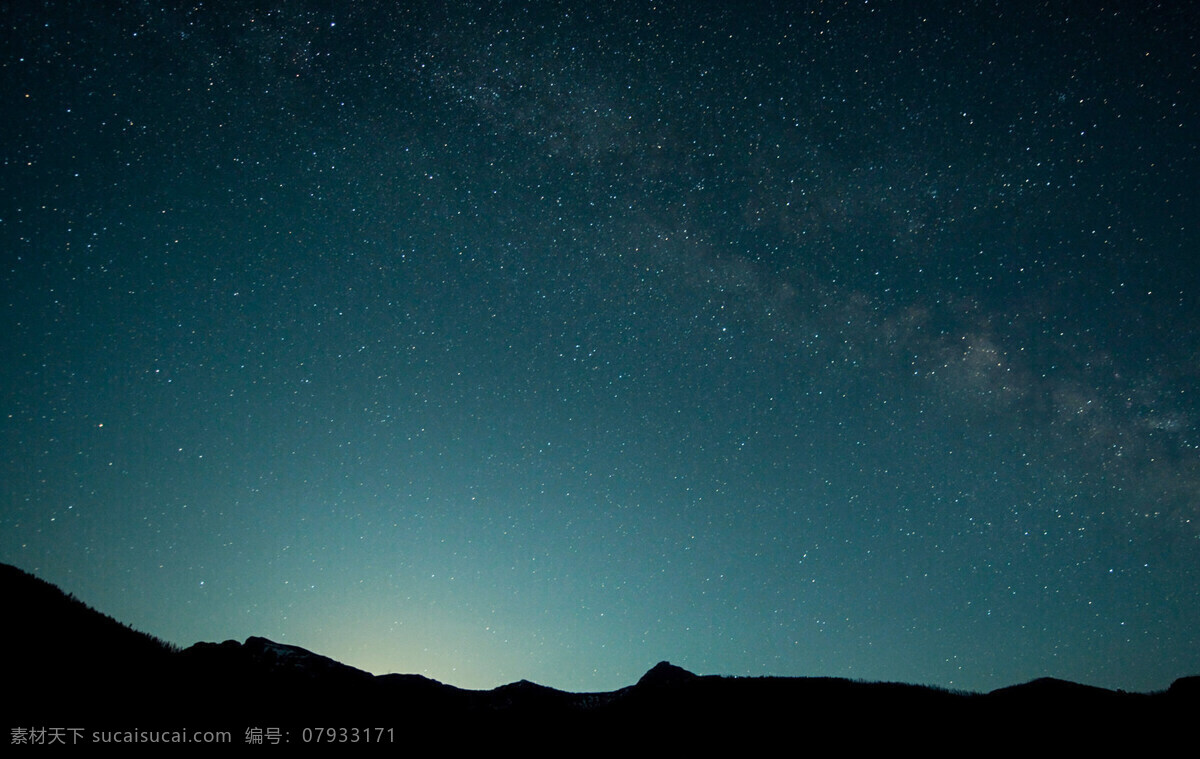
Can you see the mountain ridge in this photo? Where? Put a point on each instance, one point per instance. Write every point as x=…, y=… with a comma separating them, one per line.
x=121, y=671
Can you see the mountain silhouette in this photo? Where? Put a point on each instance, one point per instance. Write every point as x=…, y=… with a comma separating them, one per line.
x=665, y=675
x=68, y=664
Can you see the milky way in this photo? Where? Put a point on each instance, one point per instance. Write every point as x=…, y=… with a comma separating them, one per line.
x=549, y=341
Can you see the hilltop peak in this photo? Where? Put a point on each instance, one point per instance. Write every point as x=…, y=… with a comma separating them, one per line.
x=666, y=673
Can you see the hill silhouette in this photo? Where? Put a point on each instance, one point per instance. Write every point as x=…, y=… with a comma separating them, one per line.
x=67, y=664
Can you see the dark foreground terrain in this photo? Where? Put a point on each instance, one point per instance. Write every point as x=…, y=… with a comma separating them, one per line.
x=67, y=665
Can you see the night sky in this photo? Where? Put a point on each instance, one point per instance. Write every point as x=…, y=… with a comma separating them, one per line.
x=550, y=340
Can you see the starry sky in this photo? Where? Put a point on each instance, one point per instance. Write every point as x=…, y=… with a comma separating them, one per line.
x=550, y=340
